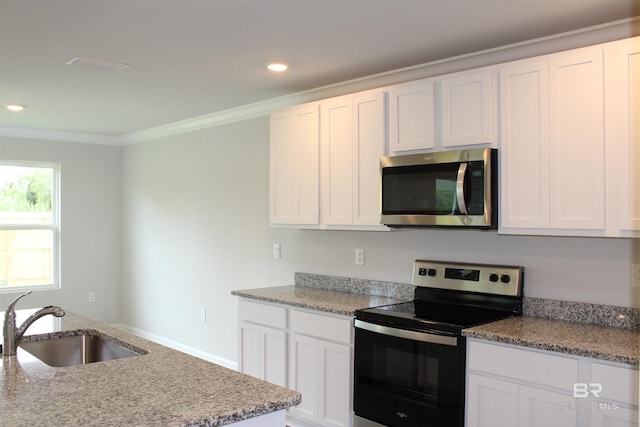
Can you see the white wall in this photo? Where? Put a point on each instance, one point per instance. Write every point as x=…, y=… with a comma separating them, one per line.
x=195, y=227
x=90, y=228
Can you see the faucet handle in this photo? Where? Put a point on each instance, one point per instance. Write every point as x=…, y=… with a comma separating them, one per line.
x=15, y=301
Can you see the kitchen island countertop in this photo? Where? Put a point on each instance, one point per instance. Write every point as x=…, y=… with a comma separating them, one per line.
x=578, y=339
x=162, y=388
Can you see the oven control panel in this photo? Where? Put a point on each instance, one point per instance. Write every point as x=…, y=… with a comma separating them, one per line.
x=483, y=278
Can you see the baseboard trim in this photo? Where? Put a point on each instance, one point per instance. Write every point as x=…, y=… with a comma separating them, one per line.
x=178, y=346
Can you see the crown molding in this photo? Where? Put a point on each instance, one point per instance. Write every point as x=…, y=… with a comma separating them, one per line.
x=544, y=45
x=54, y=135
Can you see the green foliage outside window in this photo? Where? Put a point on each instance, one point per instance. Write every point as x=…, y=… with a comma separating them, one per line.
x=29, y=191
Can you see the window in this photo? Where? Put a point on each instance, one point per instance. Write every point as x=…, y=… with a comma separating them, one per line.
x=29, y=225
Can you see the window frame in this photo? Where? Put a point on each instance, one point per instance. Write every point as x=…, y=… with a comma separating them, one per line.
x=54, y=226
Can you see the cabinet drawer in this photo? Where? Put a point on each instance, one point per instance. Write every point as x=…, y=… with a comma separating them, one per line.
x=541, y=368
x=320, y=326
x=262, y=314
x=618, y=383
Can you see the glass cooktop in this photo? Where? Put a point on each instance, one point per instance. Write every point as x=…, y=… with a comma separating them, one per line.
x=424, y=316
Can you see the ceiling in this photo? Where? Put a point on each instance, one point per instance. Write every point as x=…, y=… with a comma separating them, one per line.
x=190, y=58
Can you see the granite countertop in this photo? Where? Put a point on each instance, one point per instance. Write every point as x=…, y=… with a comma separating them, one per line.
x=331, y=301
x=579, y=339
x=567, y=327
x=163, y=387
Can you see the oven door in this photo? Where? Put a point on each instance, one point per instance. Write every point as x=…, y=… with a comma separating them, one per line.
x=407, y=378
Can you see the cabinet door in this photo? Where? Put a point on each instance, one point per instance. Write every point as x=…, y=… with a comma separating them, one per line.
x=612, y=415
x=524, y=146
x=543, y=408
x=491, y=402
x=295, y=166
x=263, y=353
x=628, y=94
x=467, y=109
x=307, y=167
x=335, y=397
x=250, y=349
x=368, y=147
x=303, y=375
x=337, y=161
x=282, y=166
x=274, y=356
x=412, y=117
x=576, y=88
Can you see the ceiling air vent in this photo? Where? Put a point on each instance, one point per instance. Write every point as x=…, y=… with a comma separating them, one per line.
x=97, y=64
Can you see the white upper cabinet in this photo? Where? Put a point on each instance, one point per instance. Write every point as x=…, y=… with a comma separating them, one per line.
x=448, y=112
x=325, y=163
x=570, y=142
x=624, y=90
x=337, y=160
x=524, y=149
x=369, y=144
x=466, y=106
x=552, y=144
x=412, y=116
x=568, y=134
x=352, y=141
x=576, y=124
x=295, y=165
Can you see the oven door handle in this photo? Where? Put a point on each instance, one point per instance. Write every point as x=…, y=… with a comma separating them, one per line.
x=410, y=335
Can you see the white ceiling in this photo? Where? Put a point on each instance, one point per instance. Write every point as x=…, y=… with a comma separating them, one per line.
x=195, y=57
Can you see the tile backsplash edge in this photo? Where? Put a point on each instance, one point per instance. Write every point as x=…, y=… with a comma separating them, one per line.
x=603, y=315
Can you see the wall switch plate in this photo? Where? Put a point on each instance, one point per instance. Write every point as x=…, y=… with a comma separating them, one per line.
x=277, y=253
x=635, y=275
x=92, y=296
x=203, y=315
x=360, y=256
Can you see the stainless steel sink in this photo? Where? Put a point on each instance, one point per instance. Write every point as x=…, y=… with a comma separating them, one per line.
x=85, y=347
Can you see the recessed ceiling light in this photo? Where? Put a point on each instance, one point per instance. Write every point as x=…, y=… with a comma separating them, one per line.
x=97, y=64
x=14, y=107
x=278, y=66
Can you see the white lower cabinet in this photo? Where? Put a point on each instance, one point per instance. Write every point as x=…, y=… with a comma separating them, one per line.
x=509, y=386
x=499, y=403
x=491, y=402
x=263, y=343
x=320, y=367
x=306, y=351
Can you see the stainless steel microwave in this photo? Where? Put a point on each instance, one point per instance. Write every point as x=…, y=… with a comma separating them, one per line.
x=443, y=189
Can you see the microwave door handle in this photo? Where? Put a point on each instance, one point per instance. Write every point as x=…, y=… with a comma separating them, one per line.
x=462, y=204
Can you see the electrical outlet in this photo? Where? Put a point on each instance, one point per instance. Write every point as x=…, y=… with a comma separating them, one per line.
x=92, y=296
x=360, y=256
x=277, y=253
x=636, y=275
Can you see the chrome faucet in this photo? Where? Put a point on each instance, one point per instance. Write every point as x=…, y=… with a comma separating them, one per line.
x=12, y=334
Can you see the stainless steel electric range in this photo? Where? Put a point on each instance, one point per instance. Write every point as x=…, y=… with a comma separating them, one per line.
x=410, y=357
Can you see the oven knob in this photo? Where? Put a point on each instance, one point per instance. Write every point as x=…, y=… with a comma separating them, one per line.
x=493, y=277
x=505, y=278
x=432, y=272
